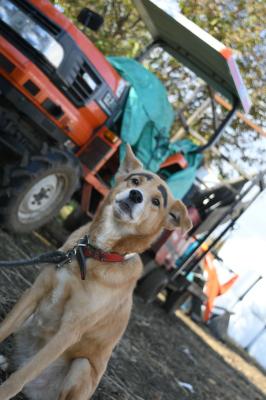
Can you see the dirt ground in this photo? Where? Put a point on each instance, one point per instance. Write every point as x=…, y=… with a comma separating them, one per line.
x=160, y=357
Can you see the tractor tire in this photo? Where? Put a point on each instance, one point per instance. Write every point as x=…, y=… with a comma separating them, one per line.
x=33, y=193
x=76, y=219
x=150, y=286
x=149, y=267
x=175, y=300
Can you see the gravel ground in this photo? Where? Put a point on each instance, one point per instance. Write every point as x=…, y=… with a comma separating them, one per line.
x=160, y=357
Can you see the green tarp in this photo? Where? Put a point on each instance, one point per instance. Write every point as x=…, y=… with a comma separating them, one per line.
x=146, y=124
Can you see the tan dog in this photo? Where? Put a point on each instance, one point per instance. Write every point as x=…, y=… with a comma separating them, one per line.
x=66, y=328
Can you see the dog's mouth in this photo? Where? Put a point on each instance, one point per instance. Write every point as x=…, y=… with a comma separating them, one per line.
x=123, y=207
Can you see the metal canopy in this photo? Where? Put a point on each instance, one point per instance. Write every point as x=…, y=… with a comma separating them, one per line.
x=210, y=59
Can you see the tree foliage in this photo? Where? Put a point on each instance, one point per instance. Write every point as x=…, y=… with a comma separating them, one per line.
x=240, y=24
x=123, y=32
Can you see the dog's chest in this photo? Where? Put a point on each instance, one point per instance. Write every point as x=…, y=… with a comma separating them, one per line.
x=58, y=292
x=46, y=318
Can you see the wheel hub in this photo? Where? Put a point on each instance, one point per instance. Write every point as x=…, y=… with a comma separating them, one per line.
x=40, y=197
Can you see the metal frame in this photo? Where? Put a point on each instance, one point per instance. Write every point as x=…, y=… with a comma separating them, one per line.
x=178, y=282
x=219, y=131
x=90, y=178
x=191, y=261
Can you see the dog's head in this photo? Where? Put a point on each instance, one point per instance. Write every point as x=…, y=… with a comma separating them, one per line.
x=141, y=204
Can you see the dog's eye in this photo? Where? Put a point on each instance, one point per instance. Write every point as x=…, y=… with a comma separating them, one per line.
x=135, y=181
x=156, y=202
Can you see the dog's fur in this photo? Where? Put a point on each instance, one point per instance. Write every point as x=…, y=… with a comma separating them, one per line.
x=66, y=328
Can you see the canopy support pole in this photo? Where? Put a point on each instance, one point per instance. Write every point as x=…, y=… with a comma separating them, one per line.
x=217, y=134
x=147, y=50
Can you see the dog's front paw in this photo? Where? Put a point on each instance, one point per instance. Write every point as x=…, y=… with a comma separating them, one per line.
x=3, y=363
x=6, y=392
x=10, y=388
x=66, y=395
x=75, y=392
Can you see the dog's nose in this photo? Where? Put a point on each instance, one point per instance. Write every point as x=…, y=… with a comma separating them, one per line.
x=136, y=196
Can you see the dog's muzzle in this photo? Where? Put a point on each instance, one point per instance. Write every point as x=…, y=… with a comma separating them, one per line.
x=129, y=203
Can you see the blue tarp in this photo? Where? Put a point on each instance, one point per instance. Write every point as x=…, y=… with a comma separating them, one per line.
x=147, y=120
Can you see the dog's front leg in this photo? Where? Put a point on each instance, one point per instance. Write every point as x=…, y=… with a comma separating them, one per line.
x=26, y=304
x=60, y=342
x=81, y=380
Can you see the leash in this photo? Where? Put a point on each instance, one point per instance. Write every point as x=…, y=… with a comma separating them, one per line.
x=81, y=251
x=52, y=257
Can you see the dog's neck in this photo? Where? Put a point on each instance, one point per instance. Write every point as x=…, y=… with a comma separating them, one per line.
x=109, y=235
x=104, y=232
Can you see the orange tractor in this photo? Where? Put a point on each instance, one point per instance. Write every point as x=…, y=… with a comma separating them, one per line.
x=61, y=105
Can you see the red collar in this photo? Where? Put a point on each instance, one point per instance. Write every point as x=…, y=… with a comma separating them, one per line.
x=100, y=255
x=85, y=250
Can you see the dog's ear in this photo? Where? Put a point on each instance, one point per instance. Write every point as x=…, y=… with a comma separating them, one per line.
x=178, y=217
x=129, y=164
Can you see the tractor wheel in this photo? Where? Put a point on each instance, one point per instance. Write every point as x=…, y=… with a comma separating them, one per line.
x=150, y=286
x=76, y=219
x=175, y=300
x=32, y=194
x=149, y=267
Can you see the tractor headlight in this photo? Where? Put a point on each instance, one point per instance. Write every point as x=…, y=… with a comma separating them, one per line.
x=34, y=34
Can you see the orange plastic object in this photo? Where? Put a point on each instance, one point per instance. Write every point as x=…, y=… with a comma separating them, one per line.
x=213, y=288
x=177, y=158
x=226, y=52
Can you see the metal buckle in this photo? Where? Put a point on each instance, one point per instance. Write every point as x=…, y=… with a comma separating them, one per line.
x=73, y=252
x=69, y=256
